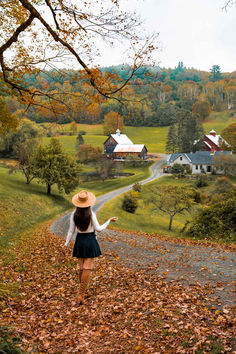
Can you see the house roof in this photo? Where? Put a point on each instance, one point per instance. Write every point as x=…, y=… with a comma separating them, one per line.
x=122, y=139
x=198, y=157
x=129, y=148
x=216, y=139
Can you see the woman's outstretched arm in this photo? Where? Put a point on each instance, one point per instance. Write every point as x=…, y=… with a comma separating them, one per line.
x=97, y=226
x=71, y=229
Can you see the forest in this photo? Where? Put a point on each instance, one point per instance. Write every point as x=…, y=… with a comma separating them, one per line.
x=154, y=96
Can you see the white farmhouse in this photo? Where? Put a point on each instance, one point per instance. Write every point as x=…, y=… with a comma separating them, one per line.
x=199, y=161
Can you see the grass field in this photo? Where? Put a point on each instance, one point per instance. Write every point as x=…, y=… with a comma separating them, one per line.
x=100, y=188
x=153, y=137
x=24, y=206
x=218, y=121
x=143, y=219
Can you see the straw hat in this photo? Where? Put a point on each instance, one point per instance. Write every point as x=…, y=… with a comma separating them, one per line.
x=83, y=199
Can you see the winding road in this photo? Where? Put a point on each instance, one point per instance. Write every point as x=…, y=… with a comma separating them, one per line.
x=60, y=226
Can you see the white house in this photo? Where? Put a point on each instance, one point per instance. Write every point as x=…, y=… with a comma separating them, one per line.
x=199, y=161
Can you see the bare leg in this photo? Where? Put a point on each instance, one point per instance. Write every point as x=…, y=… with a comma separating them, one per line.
x=88, y=263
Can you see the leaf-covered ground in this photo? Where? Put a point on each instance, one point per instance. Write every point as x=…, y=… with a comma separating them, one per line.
x=129, y=309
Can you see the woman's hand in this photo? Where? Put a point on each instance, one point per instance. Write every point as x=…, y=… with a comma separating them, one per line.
x=114, y=218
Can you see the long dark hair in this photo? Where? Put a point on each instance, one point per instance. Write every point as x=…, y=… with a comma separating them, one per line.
x=82, y=218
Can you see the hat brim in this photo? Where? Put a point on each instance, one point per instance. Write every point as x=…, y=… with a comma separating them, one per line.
x=89, y=202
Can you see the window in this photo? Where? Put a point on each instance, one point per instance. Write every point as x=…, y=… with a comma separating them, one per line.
x=208, y=168
x=196, y=167
x=181, y=158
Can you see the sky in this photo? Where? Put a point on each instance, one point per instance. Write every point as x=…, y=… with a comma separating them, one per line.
x=197, y=32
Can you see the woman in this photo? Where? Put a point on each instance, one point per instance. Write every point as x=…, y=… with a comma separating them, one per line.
x=86, y=247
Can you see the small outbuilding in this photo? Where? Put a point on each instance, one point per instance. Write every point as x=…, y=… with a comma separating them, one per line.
x=139, y=150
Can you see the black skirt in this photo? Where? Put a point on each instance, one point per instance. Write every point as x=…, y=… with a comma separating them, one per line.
x=86, y=246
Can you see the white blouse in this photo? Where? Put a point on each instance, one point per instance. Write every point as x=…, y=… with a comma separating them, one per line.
x=93, y=226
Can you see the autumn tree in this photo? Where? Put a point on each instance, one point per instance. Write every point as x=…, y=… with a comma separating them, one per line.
x=88, y=153
x=8, y=121
x=214, y=222
x=73, y=128
x=229, y=135
x=24, y=153
x=32, y=41
x=226, y=164
x=112, y=122
x=223, y=190
x=52, y=166
x=11, y=141
x=169, y=200
x=203, y=108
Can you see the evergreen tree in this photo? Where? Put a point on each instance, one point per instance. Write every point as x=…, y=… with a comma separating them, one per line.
x=171, y=143
x=79, y=139
x=189, y=131
x=215, y=73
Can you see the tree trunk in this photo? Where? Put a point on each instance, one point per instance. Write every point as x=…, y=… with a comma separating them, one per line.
x=49, y=189
x=171, y=219
x=28, y=179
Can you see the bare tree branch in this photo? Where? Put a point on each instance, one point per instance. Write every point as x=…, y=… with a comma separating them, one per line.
x=228, y=3
x=106, y=24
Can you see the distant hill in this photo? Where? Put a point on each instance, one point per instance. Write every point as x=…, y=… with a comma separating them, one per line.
x=153, y=95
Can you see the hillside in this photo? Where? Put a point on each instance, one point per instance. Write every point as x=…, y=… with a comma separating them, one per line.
x=153, y=97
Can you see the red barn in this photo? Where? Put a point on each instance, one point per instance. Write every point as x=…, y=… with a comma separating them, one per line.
x=212, y=141
x=118, y=146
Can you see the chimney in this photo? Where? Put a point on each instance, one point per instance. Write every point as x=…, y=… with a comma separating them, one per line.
x=213, y=132
x=212, y=151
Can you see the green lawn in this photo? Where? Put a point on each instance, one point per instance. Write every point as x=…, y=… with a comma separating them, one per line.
x=218, y=121
x=143, y=219
x=153, y=137
x=24, y=206
x=100, y=188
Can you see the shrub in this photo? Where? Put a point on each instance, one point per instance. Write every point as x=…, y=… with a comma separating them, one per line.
x=214, y=222
x=196, y=195
x=133, y=161
x=223, y=190
x=137, y=187
x=130, y=202
x=201, y=181
x=177, y=169
x=188, y=170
